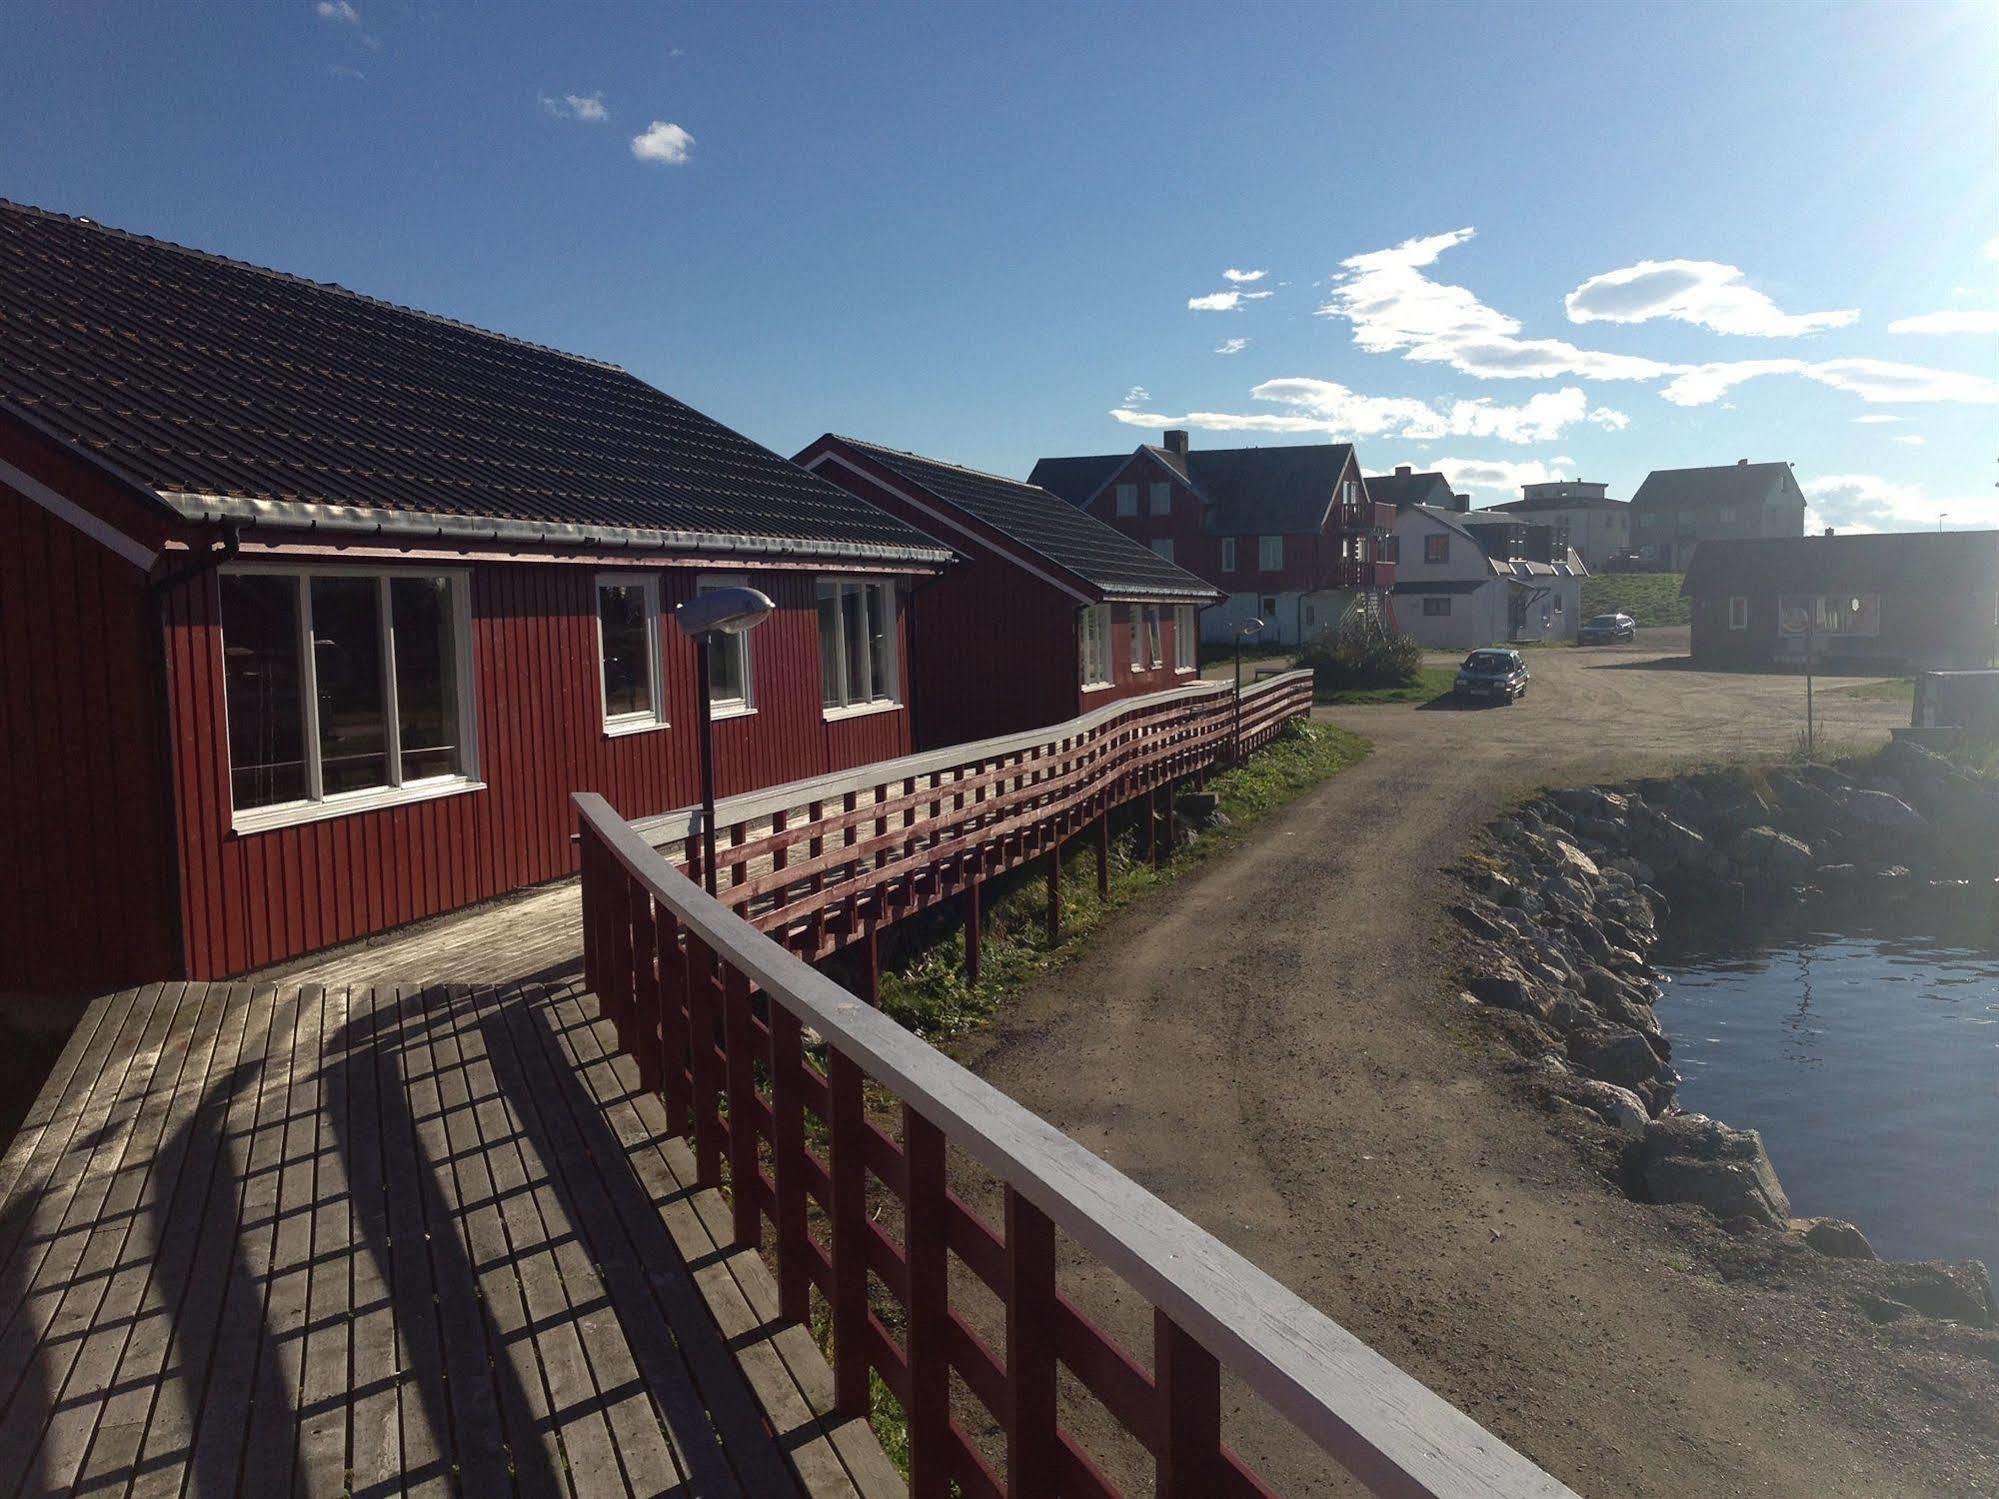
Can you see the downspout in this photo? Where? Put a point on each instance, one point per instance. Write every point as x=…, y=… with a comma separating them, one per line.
x=160, y=588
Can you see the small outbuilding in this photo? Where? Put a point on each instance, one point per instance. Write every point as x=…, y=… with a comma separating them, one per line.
x=1051, y=612
x=1893, y=601
x=315, y=610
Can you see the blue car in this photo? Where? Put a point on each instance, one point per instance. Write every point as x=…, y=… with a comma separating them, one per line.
x=1494, y=674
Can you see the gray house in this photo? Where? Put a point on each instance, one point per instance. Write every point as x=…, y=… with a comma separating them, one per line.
x=1676, y=508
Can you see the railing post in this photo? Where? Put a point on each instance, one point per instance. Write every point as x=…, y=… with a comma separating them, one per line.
x=847, y=1125
x=746, y=1221
x=871, y=966
x=1189, y=1383
x=787, y=1147
x=589, y=893
x=929, y=1308
x=1055, y=892
x=676, y=1056
x=703, y=997
x=1104, y=851
x=972, y=928
x=617, y=993
x=647, y=1016
x=1032, y=1466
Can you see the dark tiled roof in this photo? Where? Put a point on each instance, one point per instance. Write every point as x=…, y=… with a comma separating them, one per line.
x=1930, y=562
x=1044, y=524
x=197, y=375
x=1571, y=502
x=1402, y=490
x=1264, y=491
x=1724, y=484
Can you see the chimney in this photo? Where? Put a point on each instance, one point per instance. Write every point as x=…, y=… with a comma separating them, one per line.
x=1402, y=470
x=1176, y=441
x=1461, y=503
x=1739, y=463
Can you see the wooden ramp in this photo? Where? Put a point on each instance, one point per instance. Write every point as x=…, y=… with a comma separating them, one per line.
x=261, y=1239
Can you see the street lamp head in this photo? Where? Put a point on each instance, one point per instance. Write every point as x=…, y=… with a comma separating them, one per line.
x=723, y=611
x=1248, y=627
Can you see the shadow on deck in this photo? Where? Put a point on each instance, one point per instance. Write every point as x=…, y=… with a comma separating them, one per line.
x=374, y=1240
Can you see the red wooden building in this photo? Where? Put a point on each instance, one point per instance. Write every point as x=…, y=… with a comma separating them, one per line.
x=1288, y=534
x=1051, y=614
x=314, y=610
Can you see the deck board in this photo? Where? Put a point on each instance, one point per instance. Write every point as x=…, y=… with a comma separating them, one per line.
x=328, y=1238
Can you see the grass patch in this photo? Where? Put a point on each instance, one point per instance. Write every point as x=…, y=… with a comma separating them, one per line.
x=1893, y=690
x=1649, y=598
x=1431, y=681
x=924, y=985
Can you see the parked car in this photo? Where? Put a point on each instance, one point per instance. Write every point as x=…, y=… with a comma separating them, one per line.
x=1494, y=672
x=1605, y=628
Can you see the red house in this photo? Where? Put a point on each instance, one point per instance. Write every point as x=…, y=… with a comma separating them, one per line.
x=1289, y=534
x=315, y=610
x=1052, y=614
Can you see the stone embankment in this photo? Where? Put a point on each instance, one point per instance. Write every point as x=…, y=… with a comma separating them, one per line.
x=1563, y=908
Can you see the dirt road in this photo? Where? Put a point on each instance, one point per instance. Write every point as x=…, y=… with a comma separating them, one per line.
x=1274, y=1045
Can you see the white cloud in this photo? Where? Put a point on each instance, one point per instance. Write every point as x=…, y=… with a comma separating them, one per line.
x=337, y=10
x=1609, y=420
x=1224, y=301
x=1136, y=394
x=1395, y=307
x=1873, y=380
x=588, y=108
x=1872, y=420
x=1231, y=346
x=1243, y=276
x=663, y=142
x=341, y=70
x=1868, y=502
x=1910, y=440
x=1705, y=293
x=1499, y=474
x=1327, y=408
x=1964, y=320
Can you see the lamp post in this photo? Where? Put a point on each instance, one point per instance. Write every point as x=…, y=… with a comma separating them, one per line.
x=1247, y=627
x=719, y=612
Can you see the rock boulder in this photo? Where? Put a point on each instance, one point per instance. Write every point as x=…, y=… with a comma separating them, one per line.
x=1691, y=1158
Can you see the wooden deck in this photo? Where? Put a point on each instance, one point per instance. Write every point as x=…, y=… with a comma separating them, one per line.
x=265, y=1239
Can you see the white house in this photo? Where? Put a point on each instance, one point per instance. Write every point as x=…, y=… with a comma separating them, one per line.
x=1597, y=526
x=1460, y=586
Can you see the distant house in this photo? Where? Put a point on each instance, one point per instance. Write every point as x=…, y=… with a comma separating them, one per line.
x=1459, y=586
x=1677, y=508
x=1288, y=534
x=1406, y=487
x=314, y=610
x=1896, y=601
x=1051, y=612
x=1598, y=527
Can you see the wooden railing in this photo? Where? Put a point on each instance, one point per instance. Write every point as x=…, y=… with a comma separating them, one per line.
x=823, y=864
x=724, y=1022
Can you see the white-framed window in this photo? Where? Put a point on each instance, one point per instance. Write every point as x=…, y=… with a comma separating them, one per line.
x=628, y=652
x=730, y=689
x=1738, y=613
x=1135, y=630
x=1185, y=638
x=1800, y=615
x=1270, y=554
x=344, y=689
x=1127, y=499
x=857, y=662
x=1436, y=604
x=1093, y=630
x=1163, y=546
x=1228, y=554
x=1161, y=498
x=1154, y=656
x=1726, y=515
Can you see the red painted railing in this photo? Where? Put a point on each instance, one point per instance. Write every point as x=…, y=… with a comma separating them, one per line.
x=1350, y=574
x=723, y=1021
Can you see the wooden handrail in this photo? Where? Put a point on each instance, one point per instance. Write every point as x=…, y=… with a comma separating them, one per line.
x=718, y=1015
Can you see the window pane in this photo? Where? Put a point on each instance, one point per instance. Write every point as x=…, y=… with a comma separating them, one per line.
x=260, y=669
x=347, y=667
x=854, y=626
x=881, y=620
x=621, y=615
x=829, y=647
x=725, y=668
x=426, y=676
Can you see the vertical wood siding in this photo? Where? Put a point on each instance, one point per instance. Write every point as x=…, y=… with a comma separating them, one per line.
x=85, y=873
x=250, y=900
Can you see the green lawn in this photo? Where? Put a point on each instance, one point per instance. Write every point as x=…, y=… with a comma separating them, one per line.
x=1431, y=681
x=1893, y=690
x=1649, y=598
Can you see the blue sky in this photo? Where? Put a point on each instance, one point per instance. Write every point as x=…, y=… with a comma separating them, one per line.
x=1511, y=240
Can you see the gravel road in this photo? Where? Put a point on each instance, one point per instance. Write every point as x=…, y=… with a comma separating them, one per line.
x=1274, y=1045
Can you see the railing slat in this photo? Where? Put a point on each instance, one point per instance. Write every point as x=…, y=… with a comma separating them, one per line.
x=747, y=1223
x=787, y=1107
x=929, y=1309
x=1188, y=1379
x=1032, y=1466
x=849, y=1297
